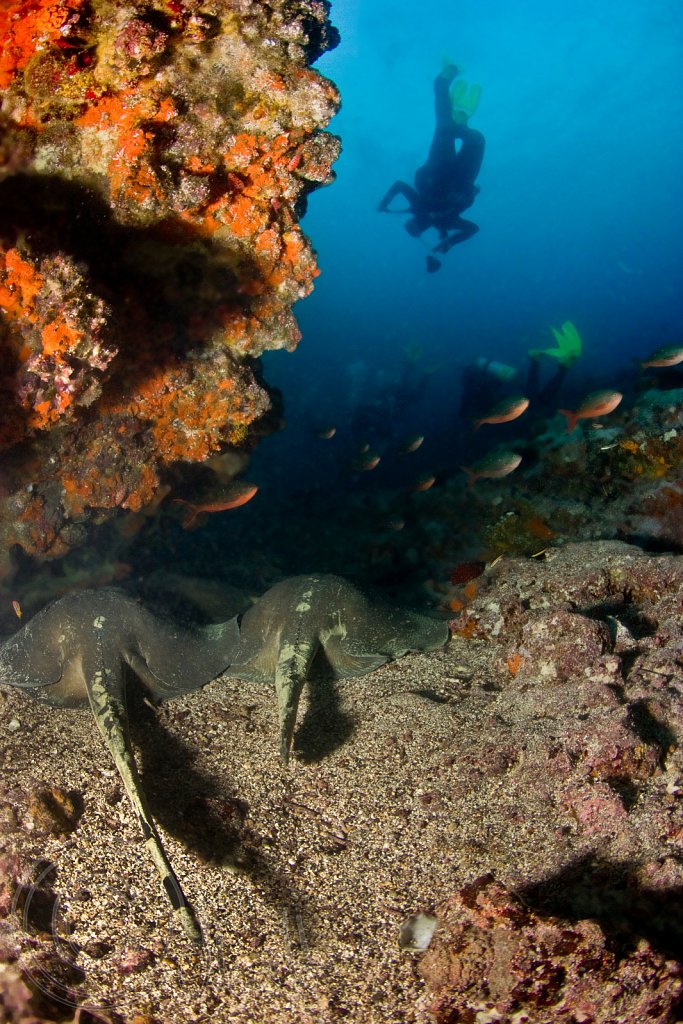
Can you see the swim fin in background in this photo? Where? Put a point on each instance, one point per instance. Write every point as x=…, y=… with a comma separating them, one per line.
x=568, y=348
x=464, y=100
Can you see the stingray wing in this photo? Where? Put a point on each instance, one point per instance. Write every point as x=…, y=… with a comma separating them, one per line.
x=368, y=635
x=175, y=660
x=260, y=639
x=347, y=659
x=284, y=631
x=34, y=656
x=356, y=634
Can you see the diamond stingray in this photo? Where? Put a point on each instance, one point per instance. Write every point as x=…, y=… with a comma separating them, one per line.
x=75, y=652
x=303, y=617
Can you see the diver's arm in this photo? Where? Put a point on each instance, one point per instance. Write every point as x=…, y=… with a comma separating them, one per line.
x=399, y=188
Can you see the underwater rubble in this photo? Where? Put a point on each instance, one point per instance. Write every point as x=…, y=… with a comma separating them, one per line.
x=154, y=164
x=593, y=637
x=496, y=960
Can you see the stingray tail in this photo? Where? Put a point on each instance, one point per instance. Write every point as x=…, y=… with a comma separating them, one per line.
x=105, y=694
x=290, y=676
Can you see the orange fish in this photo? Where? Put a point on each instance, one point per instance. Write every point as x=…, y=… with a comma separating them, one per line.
x=493, y=466
x=367, y=461
x=327, y=432
x=423, y=483
x=598, y=403
x=537, y=526
x=505, y=411
x=17, y=609
x=238, y=495
x=667, y=355
x=411, y=444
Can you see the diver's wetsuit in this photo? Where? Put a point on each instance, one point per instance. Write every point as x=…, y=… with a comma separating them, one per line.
x=544, y=397
x=444, y=185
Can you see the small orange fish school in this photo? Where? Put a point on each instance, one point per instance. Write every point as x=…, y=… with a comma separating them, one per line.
x=367, y=461
x=498, y=464
x=411, y=444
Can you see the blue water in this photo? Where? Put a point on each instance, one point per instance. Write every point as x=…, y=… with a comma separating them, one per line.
x=580, y=210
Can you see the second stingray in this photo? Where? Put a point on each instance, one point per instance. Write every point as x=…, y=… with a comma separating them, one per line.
x=305, y=617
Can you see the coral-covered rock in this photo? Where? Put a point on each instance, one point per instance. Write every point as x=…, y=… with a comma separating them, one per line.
x=494, y=959
x=51, y=811
x=154, y=162
x=659, y=517
x=590, y=644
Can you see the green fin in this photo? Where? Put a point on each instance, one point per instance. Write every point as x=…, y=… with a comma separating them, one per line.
x=464, y=100
x=568, y=347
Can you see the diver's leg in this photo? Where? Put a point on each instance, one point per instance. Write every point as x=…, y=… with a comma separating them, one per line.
x=443, y=143
x=463, y=229
x=399, y=188
x=533, y=379
x=549, y=393
x=470, y=154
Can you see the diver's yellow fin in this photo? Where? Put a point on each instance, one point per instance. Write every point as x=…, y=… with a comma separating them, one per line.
x=464, y=100
x=569, y=341
x=458, y=92
x=568, y=345
x=573, y=347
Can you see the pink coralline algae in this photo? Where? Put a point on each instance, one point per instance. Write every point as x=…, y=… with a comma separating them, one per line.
x=587, y=732
x=154, y=162
x=495, y=959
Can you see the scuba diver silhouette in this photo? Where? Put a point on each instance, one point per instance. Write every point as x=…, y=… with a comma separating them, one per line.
x=444, y=185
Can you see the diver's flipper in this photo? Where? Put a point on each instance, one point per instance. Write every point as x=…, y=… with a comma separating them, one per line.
x=568, y=348
x=569, y=341
x=464, y=100
x=105, y=694
x=433, y=264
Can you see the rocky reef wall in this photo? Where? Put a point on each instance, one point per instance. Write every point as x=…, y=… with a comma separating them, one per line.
x=154, y=164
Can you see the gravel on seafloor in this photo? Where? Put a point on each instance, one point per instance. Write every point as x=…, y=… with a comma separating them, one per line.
x=412, y=782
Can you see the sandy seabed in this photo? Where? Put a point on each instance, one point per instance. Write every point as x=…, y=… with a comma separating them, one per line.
x=406, y=784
